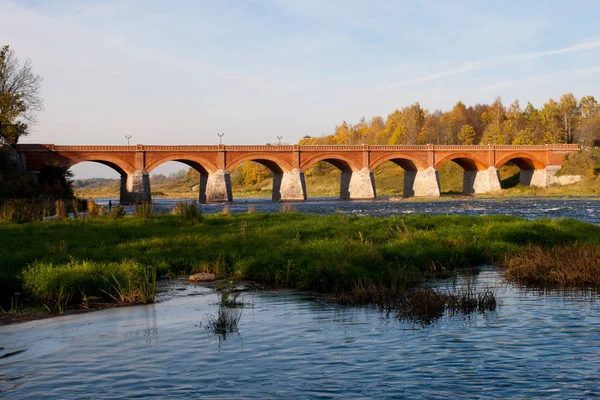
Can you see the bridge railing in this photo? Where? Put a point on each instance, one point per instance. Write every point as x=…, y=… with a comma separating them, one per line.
x=283, y=148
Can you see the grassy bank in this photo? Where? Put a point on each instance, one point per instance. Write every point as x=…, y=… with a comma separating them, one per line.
x=49, y=260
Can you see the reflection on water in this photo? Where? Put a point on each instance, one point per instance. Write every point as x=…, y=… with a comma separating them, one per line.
x=296, y=345
x=532, y=208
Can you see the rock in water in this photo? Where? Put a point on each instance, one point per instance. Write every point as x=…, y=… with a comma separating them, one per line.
x=203, y=277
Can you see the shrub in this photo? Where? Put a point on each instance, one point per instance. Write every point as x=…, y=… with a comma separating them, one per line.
x=94, y=209
x=188, y=211
x=19, y=211
x=144, y=210
x=61, y=209
x=117, y=211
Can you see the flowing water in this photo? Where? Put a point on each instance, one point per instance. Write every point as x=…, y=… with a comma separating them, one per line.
x=297, y=345
x=528, y=207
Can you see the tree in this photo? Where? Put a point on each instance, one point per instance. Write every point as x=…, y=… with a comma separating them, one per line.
x=19, y=95
x=588, y=128
x=568, y=114
x=466, y=134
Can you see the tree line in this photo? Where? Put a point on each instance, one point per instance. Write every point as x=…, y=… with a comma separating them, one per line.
x=567, y=120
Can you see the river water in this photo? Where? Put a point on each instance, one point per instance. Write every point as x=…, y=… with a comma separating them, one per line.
x=587, y=209
x=297, y=345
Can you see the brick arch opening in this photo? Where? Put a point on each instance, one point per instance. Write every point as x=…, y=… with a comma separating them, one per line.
x=521, y=160
x=458, y=173
x=467, y=162
x=527, y=165
x=342, y=163
x=112, y=165
x=124, y=174
x=122, y=167
x=405, y=162
x=277, y=167
x=200, y=164
x=275, y=164
x=344, y=168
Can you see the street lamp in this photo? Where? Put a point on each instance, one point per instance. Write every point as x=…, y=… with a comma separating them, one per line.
x=279, y=138
x=220, y=135
x=127, y=137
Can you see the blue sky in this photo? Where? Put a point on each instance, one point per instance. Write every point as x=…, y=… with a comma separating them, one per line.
x=179, y=72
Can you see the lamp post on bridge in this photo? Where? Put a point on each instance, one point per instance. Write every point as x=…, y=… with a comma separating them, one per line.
x=279, y=138
x=220, y=135
x=127, y=137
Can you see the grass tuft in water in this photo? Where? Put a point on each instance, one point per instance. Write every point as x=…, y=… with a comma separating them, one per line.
x=575, y=265
x=224, y=323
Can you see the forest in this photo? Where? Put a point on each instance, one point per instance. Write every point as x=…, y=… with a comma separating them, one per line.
x=567, y=120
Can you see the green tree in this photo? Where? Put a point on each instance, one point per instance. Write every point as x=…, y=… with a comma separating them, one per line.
x=588, y=128
x=19, y=95
x=568, y=113
x=466, y=134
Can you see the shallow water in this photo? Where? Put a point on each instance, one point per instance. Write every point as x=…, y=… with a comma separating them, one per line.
x=531, y=207
x=296, y=345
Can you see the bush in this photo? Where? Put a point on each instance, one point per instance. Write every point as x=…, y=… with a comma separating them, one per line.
x=61, y=210
x=19, y=211
x=144, y=210
x=94, y=209
x=188, y=211
x=117, y=211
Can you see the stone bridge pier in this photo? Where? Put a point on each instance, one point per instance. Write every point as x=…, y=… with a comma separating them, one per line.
x=135, y=187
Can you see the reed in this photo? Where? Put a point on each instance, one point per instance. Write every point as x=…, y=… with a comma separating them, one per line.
x=118, y=211
x=224, y=323
x=144, y=210
x=61, y=285
x=574, y=265
x=94, y=210
x=188, y=212
x=61, y=210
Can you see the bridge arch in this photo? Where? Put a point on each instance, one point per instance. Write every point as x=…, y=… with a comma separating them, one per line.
x=406, y=162
x=116, y=163
x=524, y=161
x=200, y=164
x=341, y=162
x=465, y=160
x=275, y=164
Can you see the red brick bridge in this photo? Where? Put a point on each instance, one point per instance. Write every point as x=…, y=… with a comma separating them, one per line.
x=538, y=165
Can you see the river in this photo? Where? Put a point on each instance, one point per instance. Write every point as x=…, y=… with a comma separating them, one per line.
x=297, y=345
x=587, y=209
x=537, y=344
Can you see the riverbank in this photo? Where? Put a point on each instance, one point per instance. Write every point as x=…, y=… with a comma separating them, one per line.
x=67, y=262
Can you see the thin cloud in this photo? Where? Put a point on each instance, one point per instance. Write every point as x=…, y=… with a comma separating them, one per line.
x=536, y=79
x=482, y=64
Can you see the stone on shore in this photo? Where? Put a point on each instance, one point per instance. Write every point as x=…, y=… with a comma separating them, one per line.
x=203, y=277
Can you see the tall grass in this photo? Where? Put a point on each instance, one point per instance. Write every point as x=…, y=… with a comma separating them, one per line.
x=573, y=265
x=61, y=210
x=144, y=210
x=94, y=209
x=188, y=212
x=322, y=253
x=20, y=210
x=60, y=285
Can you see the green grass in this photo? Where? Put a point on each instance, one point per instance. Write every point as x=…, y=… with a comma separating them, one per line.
x=322, y=253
